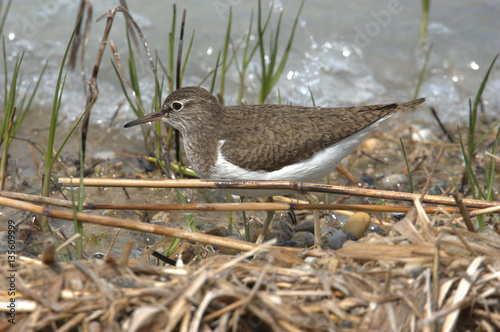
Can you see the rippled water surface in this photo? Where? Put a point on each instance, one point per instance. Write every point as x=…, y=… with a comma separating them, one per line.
x=354, y=52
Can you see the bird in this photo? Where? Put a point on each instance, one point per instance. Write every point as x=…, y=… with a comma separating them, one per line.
x=268, y=141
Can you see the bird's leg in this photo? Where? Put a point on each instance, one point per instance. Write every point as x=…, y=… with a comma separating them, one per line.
x=267, y=222
x=317, y=227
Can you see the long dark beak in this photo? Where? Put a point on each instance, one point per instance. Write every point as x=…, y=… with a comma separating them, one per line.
x=155, y=116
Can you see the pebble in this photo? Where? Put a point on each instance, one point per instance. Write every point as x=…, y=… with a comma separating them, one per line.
x=395, y=182
x=98, y=255
x=329, y=230
x=377, y=230
x=335, y=240
x=305, y=226
x=437, y=187
x=368, y=180
x=311, y=260
x=292, y=244
x=371, y=145
x=305, y=238
x=421, y=134
x=358, y=224
x=351, y=236
x=217, y=231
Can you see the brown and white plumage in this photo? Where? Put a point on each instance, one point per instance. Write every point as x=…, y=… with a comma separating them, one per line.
x=267, y=142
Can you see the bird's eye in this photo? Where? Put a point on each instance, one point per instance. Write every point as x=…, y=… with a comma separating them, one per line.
x=176, y=106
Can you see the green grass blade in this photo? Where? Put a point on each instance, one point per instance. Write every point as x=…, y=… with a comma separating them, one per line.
x=6, y=76
x=422, y=71
x=157, y=105
x=312, y=96
x=175, y=242
x=245, y=61
x=270, y=73
x=53, y=124
x=137, y=110
x=260, y=41
x=8, y=119
x=487, y=132
x=3, y=161
x=474, y=183
x=132, y=67
x=230, y=221
x=4, y=15
x=53, y=156
x=247, y=39
x=187, y=56
x=273, y=47
x=10, y=100
x=171, y=44
x=247, y=58
x=424, y=22
x=25, y=109
x=490, y=171
x=246, y=224
x=483, y=83
x=282, y=64
x=77, y=225
x=214, y=77
x=471, y=145
x=225, y=51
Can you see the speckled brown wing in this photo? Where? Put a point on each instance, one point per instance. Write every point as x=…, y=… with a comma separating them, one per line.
x=270, y=137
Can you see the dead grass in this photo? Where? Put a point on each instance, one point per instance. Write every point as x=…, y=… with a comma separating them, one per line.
x=428, y=275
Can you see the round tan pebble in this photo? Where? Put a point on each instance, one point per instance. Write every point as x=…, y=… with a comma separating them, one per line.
x=358, y=224
x=371, y=144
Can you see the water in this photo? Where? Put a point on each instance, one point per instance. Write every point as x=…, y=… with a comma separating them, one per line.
x=347, y=53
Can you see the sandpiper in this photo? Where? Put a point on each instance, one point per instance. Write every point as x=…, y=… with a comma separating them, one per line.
x=267, y=142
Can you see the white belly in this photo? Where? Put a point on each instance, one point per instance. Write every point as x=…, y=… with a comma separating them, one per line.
x=313, y=169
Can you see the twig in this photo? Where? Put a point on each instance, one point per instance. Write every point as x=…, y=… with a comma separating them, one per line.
x=276, y=206
x=492, y=156
x=113, y=242
x=375, y=251
x=275, y=185
x=131, y=225
x=492, y=209
x=463, y=212
x=443, y=128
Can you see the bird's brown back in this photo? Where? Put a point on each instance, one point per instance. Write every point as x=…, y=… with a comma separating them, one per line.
x=269, y=137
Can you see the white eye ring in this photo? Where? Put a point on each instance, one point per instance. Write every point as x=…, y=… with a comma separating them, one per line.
x=177, y=106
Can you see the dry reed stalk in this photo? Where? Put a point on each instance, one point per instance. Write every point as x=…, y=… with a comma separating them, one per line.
x=278, y=185
x=222, y=206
